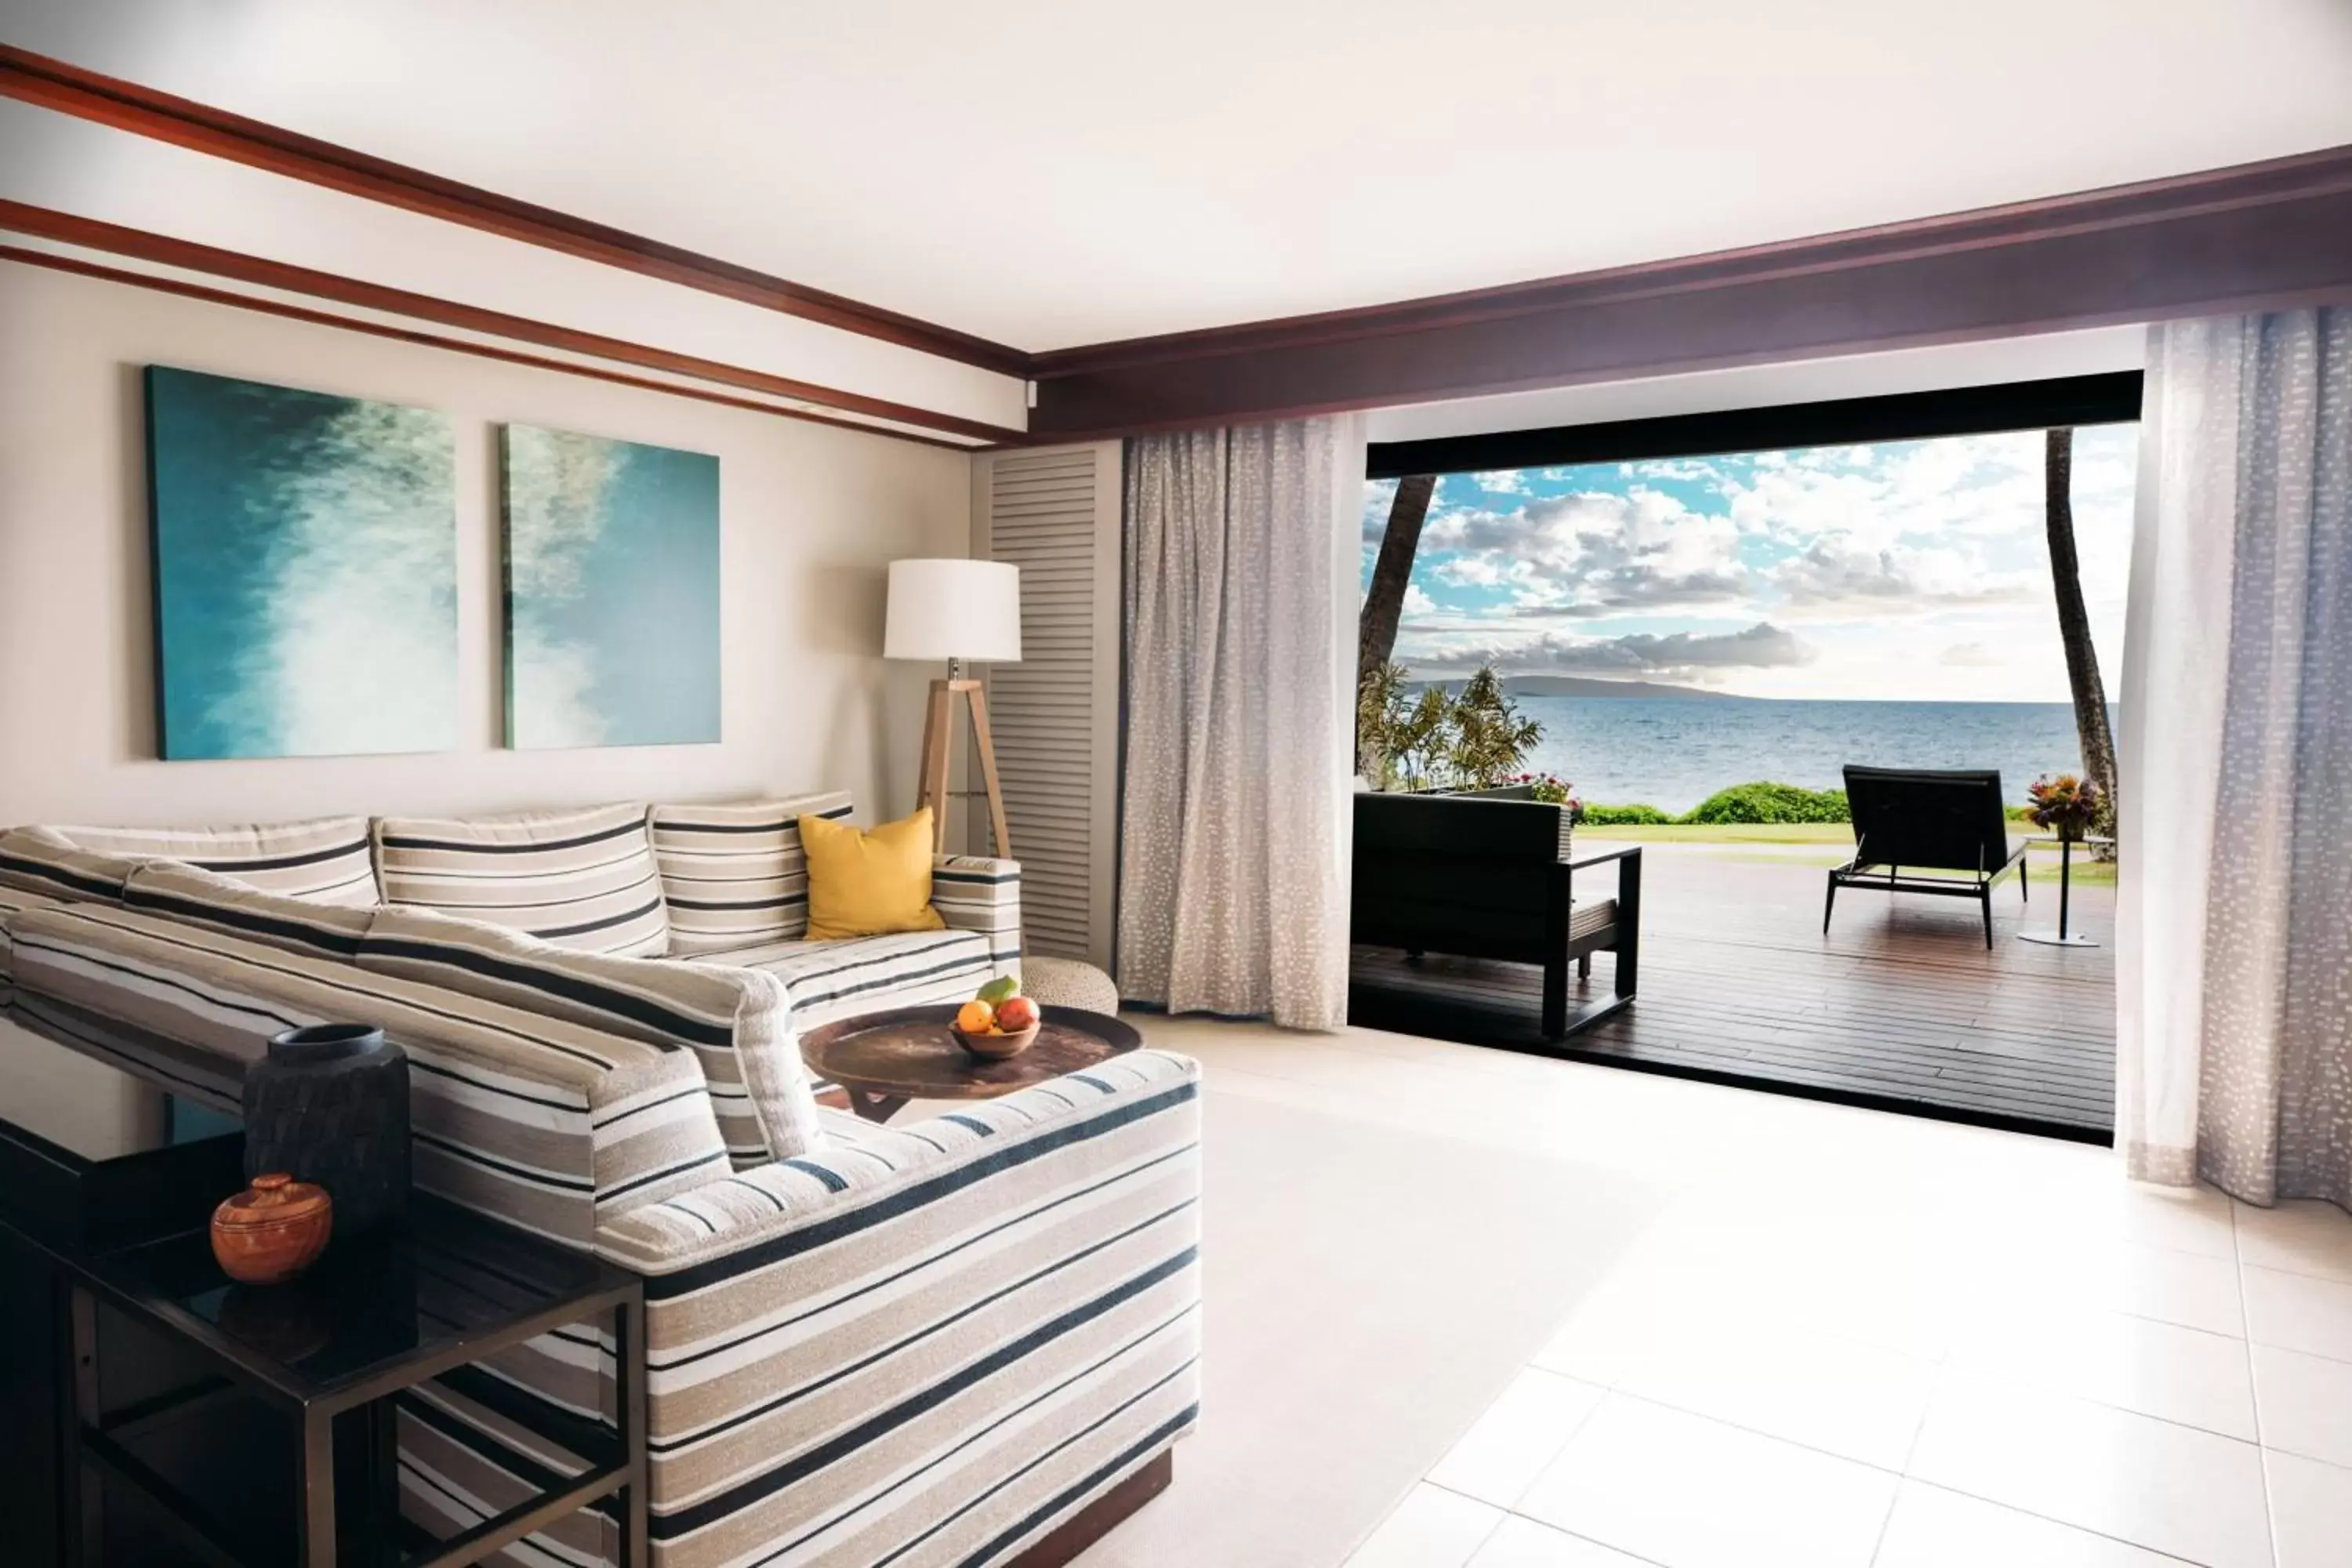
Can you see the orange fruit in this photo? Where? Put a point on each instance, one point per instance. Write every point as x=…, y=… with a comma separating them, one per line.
x=975, y=1017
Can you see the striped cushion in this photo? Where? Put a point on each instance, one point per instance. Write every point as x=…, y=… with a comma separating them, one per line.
x=734, y=1019
x=582, y=879
x=43, y=861
x=829, y=980
x=325, y=859
x=15, y=901
x=973, y=892
x=542, y=1122
x=222, y=903
x=733, y=873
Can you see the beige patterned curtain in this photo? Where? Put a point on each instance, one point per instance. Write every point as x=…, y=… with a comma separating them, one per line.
x=2234, y=968
x=1232, y=884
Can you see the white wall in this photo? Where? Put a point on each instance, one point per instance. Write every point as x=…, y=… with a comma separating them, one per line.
x=809, y=517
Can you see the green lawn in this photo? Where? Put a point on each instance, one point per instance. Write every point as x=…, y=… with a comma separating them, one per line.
x=1828, y=835
x=1728, y=833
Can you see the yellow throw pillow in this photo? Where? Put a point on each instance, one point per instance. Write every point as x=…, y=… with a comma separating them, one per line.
x=870, y=884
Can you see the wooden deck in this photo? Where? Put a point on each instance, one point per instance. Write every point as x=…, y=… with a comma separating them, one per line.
x=1900, y=1006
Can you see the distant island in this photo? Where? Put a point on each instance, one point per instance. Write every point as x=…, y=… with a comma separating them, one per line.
x=1579, y=686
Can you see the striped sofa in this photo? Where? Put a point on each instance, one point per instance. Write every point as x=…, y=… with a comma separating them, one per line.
x=932, y=1343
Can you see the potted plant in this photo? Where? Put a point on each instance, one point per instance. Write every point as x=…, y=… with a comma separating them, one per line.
x=2066, y=806
x=1550, y=789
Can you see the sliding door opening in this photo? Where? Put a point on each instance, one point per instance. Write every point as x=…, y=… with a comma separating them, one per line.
x=1684, y=634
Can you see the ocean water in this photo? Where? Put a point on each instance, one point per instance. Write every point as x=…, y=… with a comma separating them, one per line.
x=1674, y=753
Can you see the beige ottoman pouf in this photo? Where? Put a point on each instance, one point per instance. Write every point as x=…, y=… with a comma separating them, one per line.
x=1068, y=983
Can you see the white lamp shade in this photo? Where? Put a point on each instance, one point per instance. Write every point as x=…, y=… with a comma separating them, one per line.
x=953, y=608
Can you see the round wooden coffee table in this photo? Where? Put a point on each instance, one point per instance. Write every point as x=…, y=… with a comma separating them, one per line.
x=885, y=1059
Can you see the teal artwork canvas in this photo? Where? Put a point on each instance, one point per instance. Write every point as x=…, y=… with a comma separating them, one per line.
x=612, y=591
x=304, y=570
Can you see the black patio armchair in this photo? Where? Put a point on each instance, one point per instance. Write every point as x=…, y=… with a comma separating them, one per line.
x=1487, y=874
x=1918, y=830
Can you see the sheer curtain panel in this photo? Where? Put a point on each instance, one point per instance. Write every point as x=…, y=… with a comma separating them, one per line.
x=2234, y=972
x=1231, y=877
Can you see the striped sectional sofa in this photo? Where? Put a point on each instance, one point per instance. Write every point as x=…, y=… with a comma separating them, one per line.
x=935, y=1343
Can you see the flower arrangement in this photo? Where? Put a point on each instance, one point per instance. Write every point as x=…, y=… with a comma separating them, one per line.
x=1554, y=791
x=2065, y=805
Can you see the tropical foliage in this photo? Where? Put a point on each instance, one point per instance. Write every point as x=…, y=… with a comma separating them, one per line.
x=1635, y=815
x=1433, y=739
x=1766, y=802
x=1741, y=804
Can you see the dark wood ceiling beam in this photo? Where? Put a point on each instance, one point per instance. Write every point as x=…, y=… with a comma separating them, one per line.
x=2258, y=237
x=187, y=290
x=128, y=106
x=166, y=250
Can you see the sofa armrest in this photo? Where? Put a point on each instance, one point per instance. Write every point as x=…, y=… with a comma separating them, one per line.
x=1017, y=1279
x=973, y=892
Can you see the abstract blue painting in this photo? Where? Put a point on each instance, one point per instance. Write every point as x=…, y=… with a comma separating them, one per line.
x=612, y=580
x=305, y=560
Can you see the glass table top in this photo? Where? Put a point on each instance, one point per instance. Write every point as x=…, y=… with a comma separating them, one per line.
x=370, y=1304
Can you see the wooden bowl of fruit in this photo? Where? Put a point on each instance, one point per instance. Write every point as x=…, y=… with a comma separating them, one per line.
x=998, y=1022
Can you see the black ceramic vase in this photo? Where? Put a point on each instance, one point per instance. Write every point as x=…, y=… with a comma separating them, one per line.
x=330, y=1104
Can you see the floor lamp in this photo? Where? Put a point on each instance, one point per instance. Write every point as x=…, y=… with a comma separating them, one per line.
x=955, y=610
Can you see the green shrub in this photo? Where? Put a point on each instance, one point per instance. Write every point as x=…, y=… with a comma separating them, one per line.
x=1625, y=815
x=1766, y=802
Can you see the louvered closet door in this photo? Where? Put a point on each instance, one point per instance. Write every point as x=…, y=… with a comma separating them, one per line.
x=1054, y=512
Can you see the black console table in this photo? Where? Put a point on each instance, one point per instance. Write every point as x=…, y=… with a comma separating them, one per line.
x=255, y=1378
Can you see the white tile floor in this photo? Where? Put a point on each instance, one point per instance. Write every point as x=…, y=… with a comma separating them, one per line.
x=1858, y=1340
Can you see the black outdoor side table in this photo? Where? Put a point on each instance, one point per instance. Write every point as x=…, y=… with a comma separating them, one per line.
x=2061, y=936
x=378, y=1315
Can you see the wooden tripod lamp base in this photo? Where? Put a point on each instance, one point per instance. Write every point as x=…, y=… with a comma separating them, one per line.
x=938, y=726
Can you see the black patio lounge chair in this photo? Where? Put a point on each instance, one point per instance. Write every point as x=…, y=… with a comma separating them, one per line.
x=1912, y=823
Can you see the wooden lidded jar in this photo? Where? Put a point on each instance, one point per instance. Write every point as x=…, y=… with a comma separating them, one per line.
x=273, y=1230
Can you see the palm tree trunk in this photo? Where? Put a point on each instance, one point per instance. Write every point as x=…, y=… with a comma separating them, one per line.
x=2098, y=741
x=1376, y=629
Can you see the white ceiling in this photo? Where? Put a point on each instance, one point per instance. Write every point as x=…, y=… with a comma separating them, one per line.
x=1068, y=170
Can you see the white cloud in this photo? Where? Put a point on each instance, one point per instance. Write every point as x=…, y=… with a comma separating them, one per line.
x=1685, y=655
x=1379, y=495
x=1502, y=481
x=1474, y=571
x=1840, y=574
x=1417, y=603
x=1596, y=551
x=1684, y=468
x=1970, y=655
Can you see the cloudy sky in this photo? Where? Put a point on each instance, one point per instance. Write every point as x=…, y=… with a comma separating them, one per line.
x=1905, y=570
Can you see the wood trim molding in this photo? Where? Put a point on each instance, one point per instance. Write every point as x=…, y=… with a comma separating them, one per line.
x=2264, y=236
x=128, y=106
x=187, y=290
x=140, y=244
